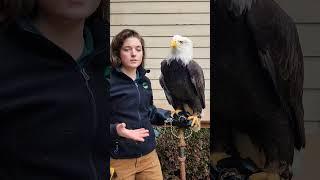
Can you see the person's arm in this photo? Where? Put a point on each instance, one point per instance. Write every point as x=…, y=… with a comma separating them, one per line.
x=158, y=115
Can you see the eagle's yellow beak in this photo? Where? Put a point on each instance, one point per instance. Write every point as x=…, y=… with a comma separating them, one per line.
x=173, y=44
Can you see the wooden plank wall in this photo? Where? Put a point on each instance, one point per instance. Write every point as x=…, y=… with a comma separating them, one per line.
x=157, y=21
x=306, y=15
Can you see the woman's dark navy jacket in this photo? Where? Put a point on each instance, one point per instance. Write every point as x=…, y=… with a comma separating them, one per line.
x=132, y=103
x=53, y=112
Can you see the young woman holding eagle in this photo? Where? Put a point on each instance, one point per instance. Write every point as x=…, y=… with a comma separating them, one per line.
x=133, y=154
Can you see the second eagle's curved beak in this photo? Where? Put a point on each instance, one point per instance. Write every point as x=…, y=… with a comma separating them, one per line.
x=173, y=44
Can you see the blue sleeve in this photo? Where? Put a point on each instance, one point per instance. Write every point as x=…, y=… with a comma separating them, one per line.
x=158, y=115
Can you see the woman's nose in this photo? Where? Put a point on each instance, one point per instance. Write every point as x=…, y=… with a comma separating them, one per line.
x=133, y=53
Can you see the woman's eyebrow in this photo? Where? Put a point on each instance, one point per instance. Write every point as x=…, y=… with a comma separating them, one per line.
x=131, y=46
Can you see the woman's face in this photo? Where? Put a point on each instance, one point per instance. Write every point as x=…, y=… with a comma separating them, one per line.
x=131, y=53
x=68, y=9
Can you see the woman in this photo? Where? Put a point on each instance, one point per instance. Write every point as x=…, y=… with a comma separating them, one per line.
x=133, y=154
x=53, y=95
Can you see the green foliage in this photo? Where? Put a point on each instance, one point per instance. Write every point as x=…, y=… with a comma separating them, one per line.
x=197, y=154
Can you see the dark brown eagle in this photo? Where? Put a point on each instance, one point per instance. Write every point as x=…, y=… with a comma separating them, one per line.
x=182, y=80
x=257, y=85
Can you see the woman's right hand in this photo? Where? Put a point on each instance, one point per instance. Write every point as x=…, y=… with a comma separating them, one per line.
x=134, y=134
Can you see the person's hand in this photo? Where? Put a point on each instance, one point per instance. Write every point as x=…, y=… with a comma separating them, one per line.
x=134, y=134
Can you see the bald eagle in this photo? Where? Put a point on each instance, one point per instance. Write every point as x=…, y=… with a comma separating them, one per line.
x=182, y=80
x=257, y=85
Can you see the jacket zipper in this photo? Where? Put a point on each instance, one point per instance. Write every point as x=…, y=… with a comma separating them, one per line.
x=137, y=87
x=87, y=78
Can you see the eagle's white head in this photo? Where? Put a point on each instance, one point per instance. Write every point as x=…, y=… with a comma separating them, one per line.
x=181, y=48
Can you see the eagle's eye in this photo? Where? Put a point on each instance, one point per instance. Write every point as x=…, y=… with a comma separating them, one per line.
x=181, y=42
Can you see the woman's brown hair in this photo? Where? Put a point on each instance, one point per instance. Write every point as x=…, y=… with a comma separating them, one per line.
x=117, y=43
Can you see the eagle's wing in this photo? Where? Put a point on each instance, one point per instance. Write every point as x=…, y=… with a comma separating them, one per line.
x=197, y=79
x=163, y=84
x=277, y=41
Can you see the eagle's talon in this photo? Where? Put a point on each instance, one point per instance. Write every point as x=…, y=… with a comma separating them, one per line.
x=176, y=111
x=195, y=120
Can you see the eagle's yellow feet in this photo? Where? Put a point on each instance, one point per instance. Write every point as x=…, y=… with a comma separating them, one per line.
x=264, y=176
x=195, y=122
x=177, y=111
